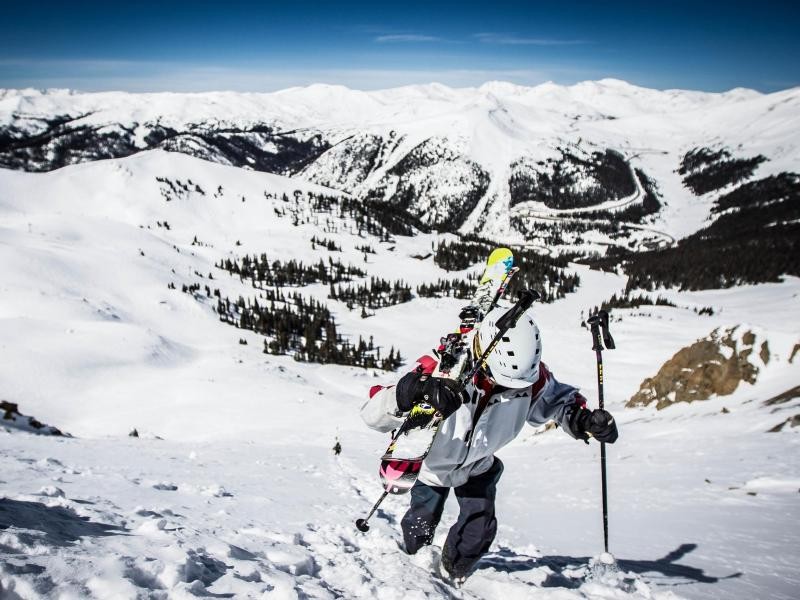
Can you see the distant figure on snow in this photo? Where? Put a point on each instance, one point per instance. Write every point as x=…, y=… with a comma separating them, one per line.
x=337, y=448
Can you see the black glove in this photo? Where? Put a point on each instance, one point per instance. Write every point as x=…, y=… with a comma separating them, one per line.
x=598, y=423
x=415, y=388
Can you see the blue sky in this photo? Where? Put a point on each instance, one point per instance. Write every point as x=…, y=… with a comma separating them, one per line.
x=264, y=46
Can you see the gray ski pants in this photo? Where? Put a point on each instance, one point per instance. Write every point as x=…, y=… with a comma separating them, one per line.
x=472, y=534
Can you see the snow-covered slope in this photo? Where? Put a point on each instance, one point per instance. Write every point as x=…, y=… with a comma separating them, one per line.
x=232, y=488
x=459, y=149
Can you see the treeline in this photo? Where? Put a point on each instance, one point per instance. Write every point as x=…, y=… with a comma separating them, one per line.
x=171, y=190
x=44, y=144
x=706, y=170
x=366, y=249
x=538, y=272
x=460, y=255
x=555, y=183
x=326, y=213
x=628, y=300
x=755, y=239
x=377, y=293
x=329, y=245
x=650, y=203
x=568, y=231
x=635, y=213
x=262, y=272
x=57, y=142
x=463, y=289
x=552, y=283
x=415, y=180
x=304, y=329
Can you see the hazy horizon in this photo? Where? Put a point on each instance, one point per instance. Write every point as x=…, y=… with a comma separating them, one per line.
x=265, y=46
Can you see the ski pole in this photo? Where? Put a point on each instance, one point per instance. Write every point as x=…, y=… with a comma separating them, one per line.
x=600, y=333
x=361, y=524
x=503, y=286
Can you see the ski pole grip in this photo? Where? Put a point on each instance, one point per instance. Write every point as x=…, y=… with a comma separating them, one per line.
x=509, y=320
x=594, y=325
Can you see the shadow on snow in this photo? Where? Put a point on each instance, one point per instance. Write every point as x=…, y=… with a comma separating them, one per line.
x=673, y=573
x=61, y=526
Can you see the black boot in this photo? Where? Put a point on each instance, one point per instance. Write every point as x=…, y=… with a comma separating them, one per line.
x=450, y=571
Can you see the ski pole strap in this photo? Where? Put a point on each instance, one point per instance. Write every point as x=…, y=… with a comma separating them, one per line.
x=600, y=333
x=509, y=320
x=607, y=339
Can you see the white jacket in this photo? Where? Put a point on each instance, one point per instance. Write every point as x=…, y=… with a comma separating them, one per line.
x=460, y=451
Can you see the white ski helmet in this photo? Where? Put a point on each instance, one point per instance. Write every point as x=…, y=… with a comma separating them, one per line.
x=514, y=362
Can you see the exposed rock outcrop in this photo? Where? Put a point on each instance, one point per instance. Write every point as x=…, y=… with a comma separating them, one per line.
x=12, y=419
x=790, y=421
x=795, y=350
x=785, y=397
x=778, y=402
x=713, y=366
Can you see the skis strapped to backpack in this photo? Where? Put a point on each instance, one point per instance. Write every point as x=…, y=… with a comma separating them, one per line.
x=402, y=461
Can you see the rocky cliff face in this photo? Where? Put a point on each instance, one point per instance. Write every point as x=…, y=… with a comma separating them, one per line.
x=713, y=366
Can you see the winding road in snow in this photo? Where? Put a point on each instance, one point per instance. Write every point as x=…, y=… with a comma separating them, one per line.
x=539, y=211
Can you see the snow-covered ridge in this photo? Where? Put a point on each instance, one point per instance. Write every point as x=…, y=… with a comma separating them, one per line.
x=358, y=141
x=321, y=101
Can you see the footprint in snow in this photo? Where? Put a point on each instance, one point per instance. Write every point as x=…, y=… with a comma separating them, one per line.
x=215, y=491
x=52, y=491
x=167, y=487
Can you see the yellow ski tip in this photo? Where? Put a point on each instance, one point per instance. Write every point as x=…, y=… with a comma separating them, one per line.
x=498, y=255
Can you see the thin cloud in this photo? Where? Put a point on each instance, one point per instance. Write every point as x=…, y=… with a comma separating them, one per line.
x=165, y=76
x=515, y=40
x=407, y=38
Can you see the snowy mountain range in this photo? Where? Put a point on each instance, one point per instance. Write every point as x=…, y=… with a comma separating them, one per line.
x=472, y=160
x=140, y=238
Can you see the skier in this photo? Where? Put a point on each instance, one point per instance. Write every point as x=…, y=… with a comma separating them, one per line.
x=337, y=448
x=512, y=388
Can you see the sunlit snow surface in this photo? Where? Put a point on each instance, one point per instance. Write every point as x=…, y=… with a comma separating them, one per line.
x=243, y=496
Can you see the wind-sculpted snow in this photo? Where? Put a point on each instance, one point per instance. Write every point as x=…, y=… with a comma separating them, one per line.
x=116, y=531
